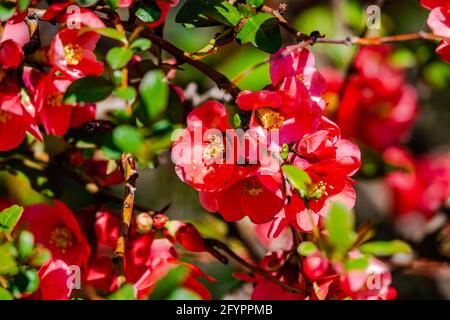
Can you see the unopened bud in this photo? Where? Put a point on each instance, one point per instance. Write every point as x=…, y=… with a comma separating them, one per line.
x=159, y=220
x=144, y=223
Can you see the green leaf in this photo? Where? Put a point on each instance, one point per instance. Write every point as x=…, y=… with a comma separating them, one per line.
x=127, y=93
x=112, y=33
x=7, y=262
x=128, y=139
x=263, y=31
x=112, y=4
x=183, y=294
x=306, y=248
x=141, y=44
x=385, y=248
x=9, y=218
x=126, y=292
x=298, y=178
x=154, y=92
x=169, y=283
x=255, y=3
x=23, y=4
x=237, y=122
x=207, y=13
x=39, y=257
x=7, y=10
x=118, y=57
x=148, y=12
x=25, y=244
x=25, y=282
x=340, y=224
x=5, y=294
x=88, y=90
x=357, y=264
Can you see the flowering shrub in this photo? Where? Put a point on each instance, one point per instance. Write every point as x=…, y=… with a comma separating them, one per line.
x=124, y=175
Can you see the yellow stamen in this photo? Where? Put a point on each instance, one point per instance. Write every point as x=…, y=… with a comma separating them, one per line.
x=61, y=238
x=252, y=187
x=54, y=99
x=73, y=54
x=269, y=118
x=214, y=149
x=5, y=116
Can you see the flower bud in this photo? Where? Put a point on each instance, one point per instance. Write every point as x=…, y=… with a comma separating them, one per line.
x=315, y=266
x=187, y=235
x=144, y=223
x=159, y=220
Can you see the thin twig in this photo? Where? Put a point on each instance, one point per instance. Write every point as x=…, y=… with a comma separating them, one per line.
x=130, y=173
x=222, y=246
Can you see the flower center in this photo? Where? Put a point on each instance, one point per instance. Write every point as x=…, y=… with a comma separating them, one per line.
x=214, y=149
x=319, y=190
x=252, y=187
x=383, y=109
x=4, y=116
x=269, y=118
x=73, y=54
x=54, y=99
x=61, y=238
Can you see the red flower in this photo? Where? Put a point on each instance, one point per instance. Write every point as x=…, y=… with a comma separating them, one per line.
x=256, y=194
x=56, y=228
x=199, y=154
x=147, y=260
x=53, y=278
x=55, y=116
x=439, y=23
x=418, y=185
x=71, y=51
x=15, y=121
x=11, y=54
x=61, y=13
x=330, y=162
x=376, y=108
x=371, y=283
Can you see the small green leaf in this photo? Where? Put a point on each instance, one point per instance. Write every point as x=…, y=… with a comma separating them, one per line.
x=7, y=262
x=141, y=44
x=112, y=4
x=88, y=90
x=183, y=294
x=118, y=57
x=154, y=92
x=148, y=12
x=357, y=264
x=285, y=151
x=298, y=178
x=23, y=4
x=128, y=139
x=5, y=294
x=112, y=33
x=126, y=292
x=9, y=218
x=340, y=224
x=237, y=122
x=25, y=244
x=170, y=283
x=25, y=282
x=39, y=257
x=207, y=13
x=263, y=31
x=127, y=93
x=306, y=248
x=385, y=248
x=255, y=3
x=7, y=10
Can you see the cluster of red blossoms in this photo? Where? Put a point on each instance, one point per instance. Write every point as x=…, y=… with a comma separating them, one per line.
x=151, y=253
x=236, y=187
x=292, y=107
x=70, y=56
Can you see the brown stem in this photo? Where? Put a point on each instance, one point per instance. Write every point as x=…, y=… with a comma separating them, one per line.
x=130, y=173
x=222, y=246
